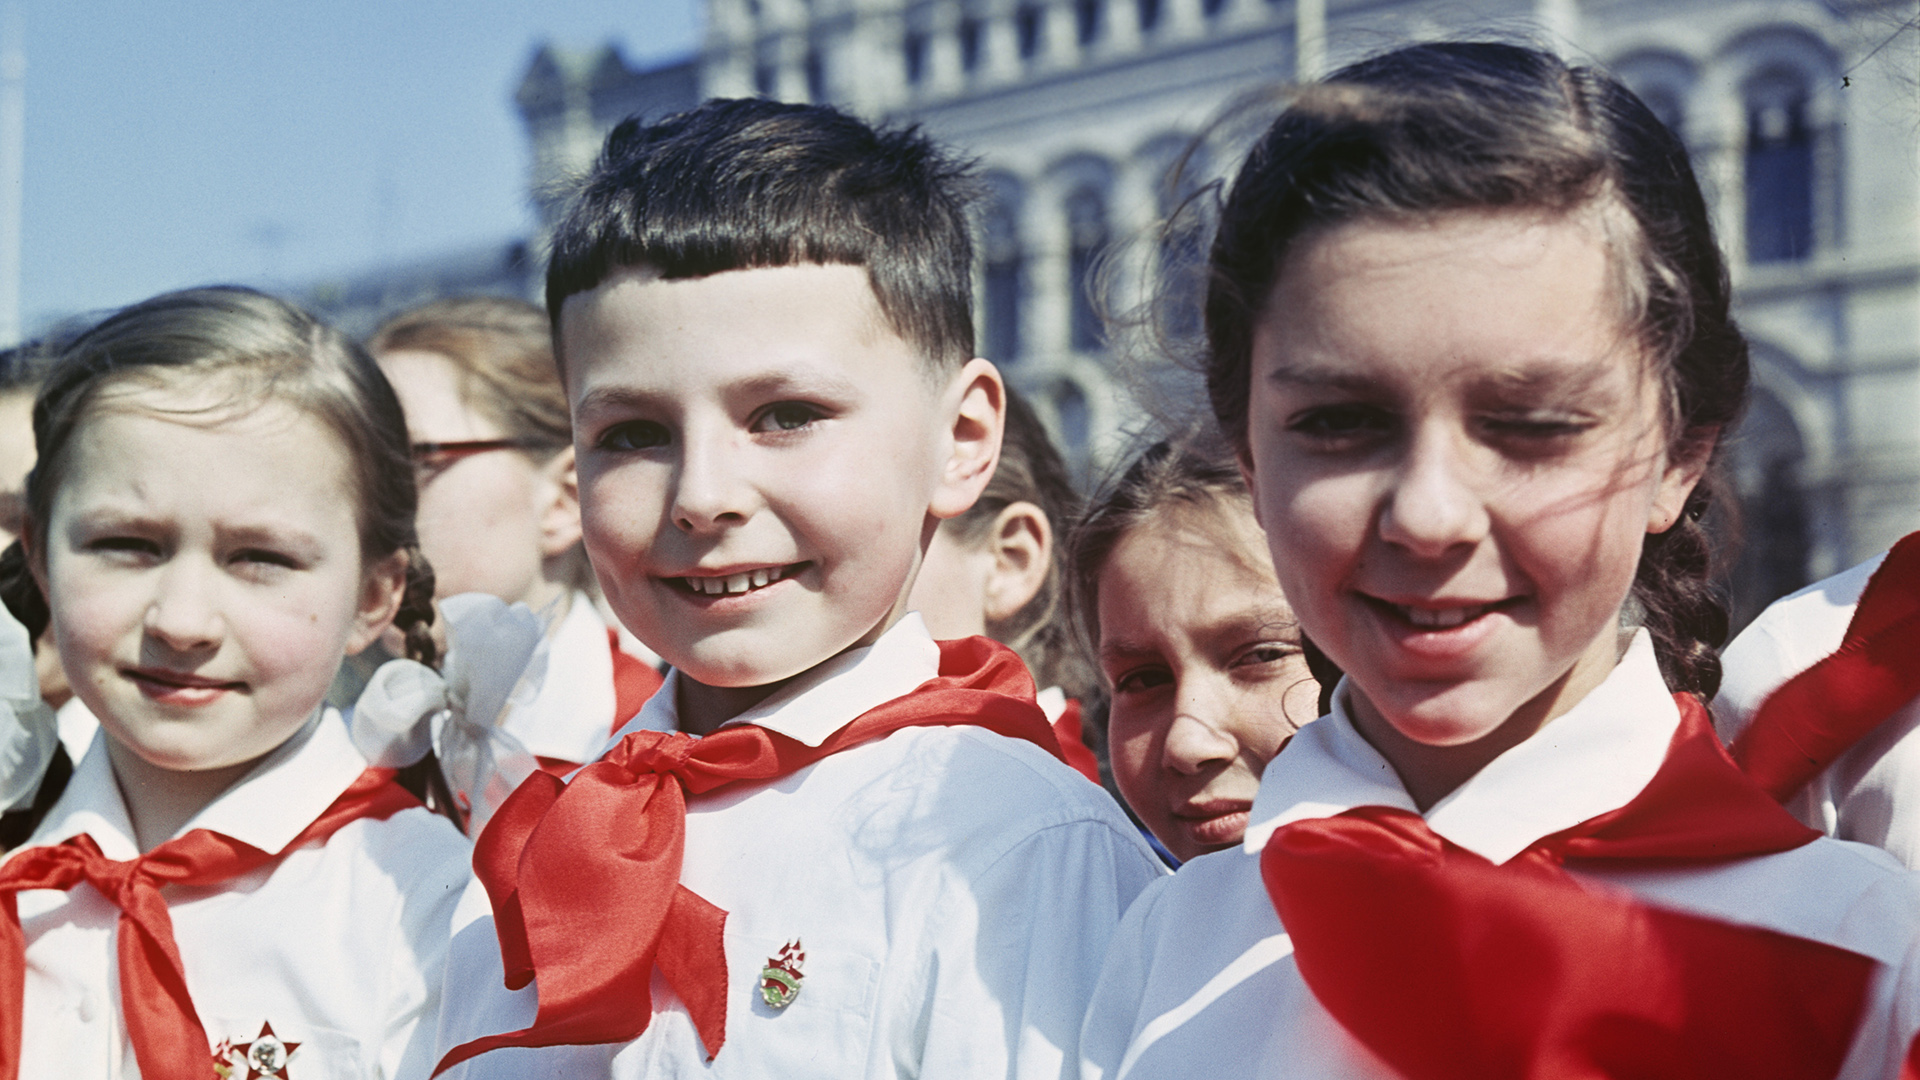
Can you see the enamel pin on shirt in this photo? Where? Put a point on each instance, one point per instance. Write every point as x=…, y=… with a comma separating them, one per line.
x=265, y=1057
x=780, y=979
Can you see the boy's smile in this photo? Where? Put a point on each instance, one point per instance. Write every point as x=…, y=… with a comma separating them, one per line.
x=761, y=458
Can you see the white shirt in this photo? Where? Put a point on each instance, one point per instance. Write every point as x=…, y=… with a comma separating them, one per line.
x=1871, y=793
x=571, y=714
x=1200, y=979
x=339, y=945
x=953, y=890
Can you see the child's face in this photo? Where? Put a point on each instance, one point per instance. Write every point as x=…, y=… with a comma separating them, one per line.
x=1203, y=655
x=1457, y=449
x=205, y=576
x=487, y=521
x=761, y=458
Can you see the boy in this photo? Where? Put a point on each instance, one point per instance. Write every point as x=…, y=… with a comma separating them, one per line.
x=881, y=868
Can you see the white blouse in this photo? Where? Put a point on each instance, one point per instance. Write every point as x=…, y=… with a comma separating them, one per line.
x=1200, y=979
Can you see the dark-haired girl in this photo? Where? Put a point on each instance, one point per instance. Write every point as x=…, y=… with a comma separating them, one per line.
x=221, y=510
x=1469, y=336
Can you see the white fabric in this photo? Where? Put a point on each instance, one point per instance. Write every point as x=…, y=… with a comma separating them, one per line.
x=1872, y=792
x=571, y=714
x=953, y=891
x=1200, y=978
x=28, y=733
x=339, y=946
x=77, y=726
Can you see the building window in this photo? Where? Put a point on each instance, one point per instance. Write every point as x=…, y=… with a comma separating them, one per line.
x=1076, y=417
x=1779, y=172
x=1026, y=23
x=1086, y=21
x=1211, y=8
x=1086, y=237
x=1666, y=106
x=816, y=77
x=763, y=79
x=969, y=44
x=915, y=48
x=1005, y=278
x=1149, y=14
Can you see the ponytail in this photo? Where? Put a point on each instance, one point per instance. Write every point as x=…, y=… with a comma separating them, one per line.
x=1678, y=602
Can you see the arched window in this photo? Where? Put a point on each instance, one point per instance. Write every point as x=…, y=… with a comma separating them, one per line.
x=1779, y=169
x=816, y=77
x=915, y=47
x=1776, y=515
x=1086, y=237
x=1005, y=272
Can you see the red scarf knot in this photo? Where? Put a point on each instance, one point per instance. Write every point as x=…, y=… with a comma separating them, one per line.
x=562, y=862
x=1448, y=966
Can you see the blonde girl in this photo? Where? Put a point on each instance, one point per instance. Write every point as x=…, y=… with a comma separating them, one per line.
x=221, y=510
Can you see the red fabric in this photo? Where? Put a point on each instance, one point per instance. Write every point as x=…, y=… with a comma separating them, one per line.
x=1073, y=748
x=634, y=681
x=1446, y=965
x=554, y=765
x=169, y=1042
x=563, y=862
x=1816, y=715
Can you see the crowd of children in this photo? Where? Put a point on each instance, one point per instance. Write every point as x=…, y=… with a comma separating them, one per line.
x=752, y=630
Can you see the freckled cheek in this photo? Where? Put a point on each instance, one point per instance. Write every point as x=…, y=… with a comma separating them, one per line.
x=1132, y=739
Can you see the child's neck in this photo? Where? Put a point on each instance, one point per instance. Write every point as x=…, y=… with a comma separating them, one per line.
x=702, y=708
x=160, y=801
x=1431, y=773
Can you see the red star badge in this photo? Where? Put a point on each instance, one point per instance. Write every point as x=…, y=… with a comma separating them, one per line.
x=266, y=1055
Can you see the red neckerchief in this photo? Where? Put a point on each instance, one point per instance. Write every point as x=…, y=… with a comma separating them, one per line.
x=564, y=861
x=1816, y=715
x=1446, y=965
x=1073, y=745
x=168, y=1039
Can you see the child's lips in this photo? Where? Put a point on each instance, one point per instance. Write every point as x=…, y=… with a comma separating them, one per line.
x=1214, y=822
x=179, y=687
x=1447, y=626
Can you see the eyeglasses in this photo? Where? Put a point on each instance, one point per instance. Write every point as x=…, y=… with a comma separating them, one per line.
x=430, y=459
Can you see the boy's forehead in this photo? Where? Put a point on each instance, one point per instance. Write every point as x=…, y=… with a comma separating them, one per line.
x=780, y=316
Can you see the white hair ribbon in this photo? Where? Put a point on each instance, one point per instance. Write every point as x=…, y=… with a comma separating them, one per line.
x=496, y=658
x=29, y=734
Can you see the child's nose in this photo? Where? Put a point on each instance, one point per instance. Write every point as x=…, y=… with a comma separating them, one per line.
x=183, y=615
x=711, y=489
x=1194, y=740
x=1435, y=502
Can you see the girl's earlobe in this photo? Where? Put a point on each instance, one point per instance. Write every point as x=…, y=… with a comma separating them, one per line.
x=560, y=517
x=383, y=589
x=1682, y=475
x=978, y=423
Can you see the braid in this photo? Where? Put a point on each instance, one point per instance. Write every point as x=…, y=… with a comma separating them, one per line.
x=415, y=617
x=1679, y=605
x=21, y=593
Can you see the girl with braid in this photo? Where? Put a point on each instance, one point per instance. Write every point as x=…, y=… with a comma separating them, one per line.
x=1469, y=336
x=221, y=510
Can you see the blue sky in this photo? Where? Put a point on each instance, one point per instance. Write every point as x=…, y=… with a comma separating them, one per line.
x=268, y=142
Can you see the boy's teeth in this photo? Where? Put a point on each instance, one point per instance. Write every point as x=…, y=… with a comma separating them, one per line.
x=1442, y=618
x=736, y=583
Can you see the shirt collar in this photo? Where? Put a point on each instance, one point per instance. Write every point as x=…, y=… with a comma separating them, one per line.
x=1594, y=758
x=266, y=808
x=826, y=698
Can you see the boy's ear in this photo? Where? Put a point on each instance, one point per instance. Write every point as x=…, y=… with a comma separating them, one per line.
x=1683, y=472
x=560, y=511
x=979, y=411
x=384, y=585
x=1022, y=546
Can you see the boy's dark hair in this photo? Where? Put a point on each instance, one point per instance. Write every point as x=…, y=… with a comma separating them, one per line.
x=750, y=183
x=1454, y=126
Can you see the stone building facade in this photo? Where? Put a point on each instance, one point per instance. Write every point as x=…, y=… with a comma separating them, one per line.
x=1803, y=117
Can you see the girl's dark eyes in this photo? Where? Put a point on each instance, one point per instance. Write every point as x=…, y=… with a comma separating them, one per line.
x=787, y=416
x=633, y=435
x=266, y=558
x=1345, y=421
x=1271, y=652
x=130, y=545
x=1138, y=680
